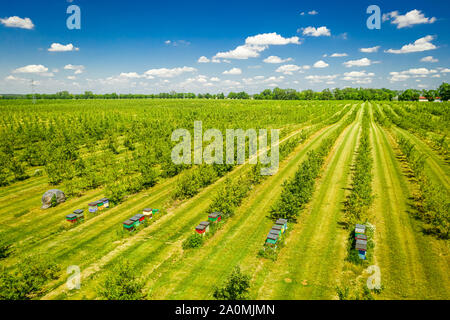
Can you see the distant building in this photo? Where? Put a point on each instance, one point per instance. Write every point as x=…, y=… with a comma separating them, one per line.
x=423, y=99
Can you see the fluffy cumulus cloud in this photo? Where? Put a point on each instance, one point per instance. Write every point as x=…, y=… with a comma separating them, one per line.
x=363, y=62
x=370, y=50
x=254, y=45
x=203, y=59
x=79, y=69
x=338, y=55
x=168, y=73
x=130, y=75
x=57, y=47
x=409, y=19
x=17, y=22
x=241, y=52
x=316, y=32
x=414, y=73
x=267, y=39
x=233, y=71
x=422, y=44
x=320, y=64
x=429, y=59
x=288, y=69
x=38, y=69
x=275, y=59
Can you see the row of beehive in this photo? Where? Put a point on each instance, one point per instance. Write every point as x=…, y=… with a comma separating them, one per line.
x=98, y=205
x=361, y=240
x=276, y=232
x=136, y=220
x=78, y=215
x=203, y=227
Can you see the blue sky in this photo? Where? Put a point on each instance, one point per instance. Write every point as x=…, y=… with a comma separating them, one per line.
x=210, y=46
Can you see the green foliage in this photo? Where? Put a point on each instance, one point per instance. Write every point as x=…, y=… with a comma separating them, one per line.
x=5, y=249
x=409, y=95
x=235, y=288
x=360, y=197
x=29, y=280
x=122, y=283
x=433, y=202
x=444, y=91
x=191, y=183
x=53, y=201
x=298, y=191
x=195, y=240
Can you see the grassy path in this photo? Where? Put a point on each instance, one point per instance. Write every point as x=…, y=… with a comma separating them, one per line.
x=310, y=263
x=412, y=265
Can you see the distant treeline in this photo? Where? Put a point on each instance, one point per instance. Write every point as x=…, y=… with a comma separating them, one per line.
x=276, y=94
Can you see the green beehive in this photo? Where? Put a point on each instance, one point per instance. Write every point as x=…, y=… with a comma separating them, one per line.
x=271, y=239
x=128, y=224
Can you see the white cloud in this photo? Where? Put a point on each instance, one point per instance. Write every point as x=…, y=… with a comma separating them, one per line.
x=288, y=69
x=233, y=71
x=313, y=12
x=411, y=18
x=256, y=44
x=203, y=59
x=320, y=64
x=422, y=44
x=34, y=69
x=275, y=59
x=130, y=75
x=358, y=63
x=71, y=77
x=241, y=52
x=429, y=59
x=214, y=79
x=266, y=39
x=313, y=32
x=337, y=55
x=57, y=47
x=78, y=69
x=168, y=73
x=446, y=70
x=414, y=72
x=13, y=78
x=177, y=43
x=370, y=50
x=17, y=22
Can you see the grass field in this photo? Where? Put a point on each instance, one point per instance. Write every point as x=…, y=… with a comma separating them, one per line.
x=313, y=259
